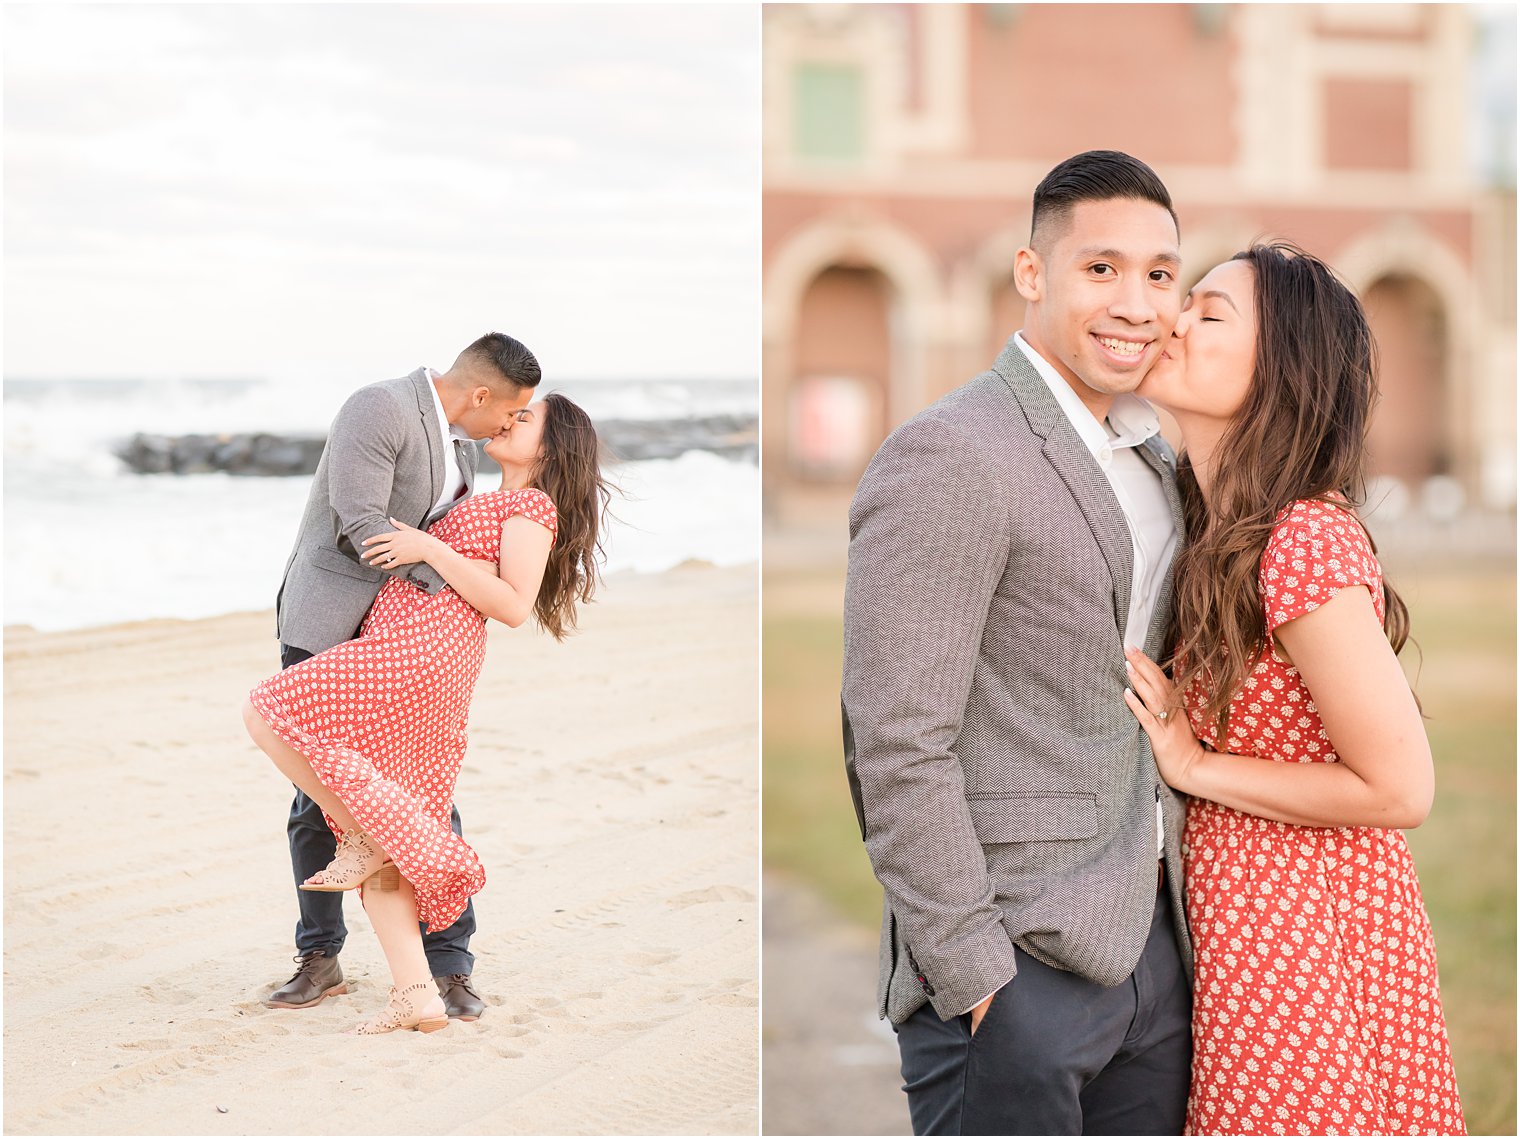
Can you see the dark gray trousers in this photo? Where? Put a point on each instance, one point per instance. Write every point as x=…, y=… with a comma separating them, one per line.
x=1058, y=1054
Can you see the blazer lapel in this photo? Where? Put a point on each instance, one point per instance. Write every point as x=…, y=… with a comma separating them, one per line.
x=1156, y=452
x=1072, y=460
x=431, y=432
x=468, y=454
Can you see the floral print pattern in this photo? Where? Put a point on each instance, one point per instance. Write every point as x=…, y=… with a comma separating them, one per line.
x=1316, y=1005
x=383, y=718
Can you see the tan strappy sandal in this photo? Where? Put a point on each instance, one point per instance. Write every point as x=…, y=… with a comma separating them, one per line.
x=359, y=860
x=404, y=1011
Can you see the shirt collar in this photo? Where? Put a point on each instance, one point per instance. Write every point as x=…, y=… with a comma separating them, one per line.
x=1131, y=418
x=449, y=429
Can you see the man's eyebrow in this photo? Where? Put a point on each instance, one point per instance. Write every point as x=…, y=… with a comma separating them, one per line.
x=1222, y=295
x=1120, y=255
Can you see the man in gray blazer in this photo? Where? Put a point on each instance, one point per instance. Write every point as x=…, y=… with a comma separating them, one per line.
x=400, y=449
x=1006, y=544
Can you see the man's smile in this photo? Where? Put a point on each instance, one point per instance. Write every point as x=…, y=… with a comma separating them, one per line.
x=1122, y=348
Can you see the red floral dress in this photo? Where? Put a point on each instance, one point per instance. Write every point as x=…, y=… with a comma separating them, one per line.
x=382, y=718
x=1316, y=1008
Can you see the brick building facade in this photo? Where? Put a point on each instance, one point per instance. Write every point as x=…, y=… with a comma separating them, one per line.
x=902, y=144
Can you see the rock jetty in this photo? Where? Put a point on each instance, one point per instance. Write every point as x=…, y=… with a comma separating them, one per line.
x=734, y=436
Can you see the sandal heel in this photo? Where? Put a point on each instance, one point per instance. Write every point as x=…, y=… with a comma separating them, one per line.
x=401, y=1012
x=350, y=867
x=387, y=878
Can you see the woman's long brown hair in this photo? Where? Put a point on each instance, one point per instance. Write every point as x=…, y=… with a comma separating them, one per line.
x=570, y=474
x=1301, y=434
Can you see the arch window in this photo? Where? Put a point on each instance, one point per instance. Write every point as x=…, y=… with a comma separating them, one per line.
x=837, y=401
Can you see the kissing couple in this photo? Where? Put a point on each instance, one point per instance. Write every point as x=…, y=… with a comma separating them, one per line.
x=1128, y=739
x=397, y=566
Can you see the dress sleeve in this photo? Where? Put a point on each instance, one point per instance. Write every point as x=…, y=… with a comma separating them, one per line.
x=534, y=504
x=1315, y=551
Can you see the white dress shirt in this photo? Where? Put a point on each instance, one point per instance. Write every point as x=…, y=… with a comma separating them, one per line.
x=453, y=477
x=1137, y=486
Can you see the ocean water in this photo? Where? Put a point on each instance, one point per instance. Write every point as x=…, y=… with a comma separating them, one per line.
x=90, y=543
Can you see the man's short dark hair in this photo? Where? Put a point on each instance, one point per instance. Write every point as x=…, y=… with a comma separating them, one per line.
x=507, y=356
x=1095, y=176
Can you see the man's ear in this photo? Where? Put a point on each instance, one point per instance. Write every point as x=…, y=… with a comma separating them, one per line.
x=479, y=396
x=1029, y=274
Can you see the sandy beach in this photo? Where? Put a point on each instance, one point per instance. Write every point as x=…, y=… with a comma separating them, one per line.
x=611, y=789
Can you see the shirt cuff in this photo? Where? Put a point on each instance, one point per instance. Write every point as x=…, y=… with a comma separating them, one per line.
x=968, y=1011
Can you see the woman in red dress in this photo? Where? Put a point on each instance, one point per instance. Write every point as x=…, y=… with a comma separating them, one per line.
x=1291, y=726
x=373, y=730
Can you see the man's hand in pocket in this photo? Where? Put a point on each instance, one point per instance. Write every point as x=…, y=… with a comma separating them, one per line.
x=980, y=1010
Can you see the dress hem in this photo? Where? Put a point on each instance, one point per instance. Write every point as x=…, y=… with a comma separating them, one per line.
x=426, y=882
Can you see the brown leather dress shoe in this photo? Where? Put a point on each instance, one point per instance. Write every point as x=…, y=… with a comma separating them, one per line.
x=460, y=1000
x=317, y=978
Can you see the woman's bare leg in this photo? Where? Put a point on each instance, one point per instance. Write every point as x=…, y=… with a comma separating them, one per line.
x=295, y=767
x=393, y=913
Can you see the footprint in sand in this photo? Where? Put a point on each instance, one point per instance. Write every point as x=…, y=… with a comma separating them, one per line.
x=159, y=994
x=730, y=1000
x=540, y=1008
x=657, y=957
x=710, y=894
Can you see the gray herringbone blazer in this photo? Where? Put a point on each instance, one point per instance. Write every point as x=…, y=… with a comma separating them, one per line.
x=384, y=458
x=1005, y=792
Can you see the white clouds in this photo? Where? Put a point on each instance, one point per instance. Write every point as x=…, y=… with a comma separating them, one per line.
x=382, y=175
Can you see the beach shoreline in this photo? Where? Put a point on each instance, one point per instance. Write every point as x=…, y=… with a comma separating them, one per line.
x=147, y=624
x=611, y=789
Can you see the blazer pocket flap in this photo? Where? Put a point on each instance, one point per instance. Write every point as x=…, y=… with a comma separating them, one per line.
x=334, y=559
x=1034, y=818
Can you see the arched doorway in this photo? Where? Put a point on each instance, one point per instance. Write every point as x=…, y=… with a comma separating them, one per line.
x=837, y=403
x=1410, y=434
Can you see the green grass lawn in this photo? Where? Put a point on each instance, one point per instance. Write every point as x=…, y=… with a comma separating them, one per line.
x=1465, y=628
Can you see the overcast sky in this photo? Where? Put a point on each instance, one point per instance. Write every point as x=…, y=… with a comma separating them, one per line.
x=344, y=191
